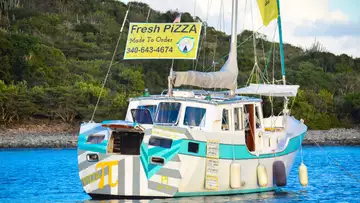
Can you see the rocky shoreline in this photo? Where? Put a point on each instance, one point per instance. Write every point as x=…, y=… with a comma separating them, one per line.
x=65, y=136
x=333, y=137
x=57, y=135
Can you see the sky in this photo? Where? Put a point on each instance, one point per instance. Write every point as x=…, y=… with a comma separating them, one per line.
x=333, y=23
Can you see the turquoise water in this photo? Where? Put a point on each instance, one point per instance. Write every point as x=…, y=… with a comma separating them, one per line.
x=51, y=175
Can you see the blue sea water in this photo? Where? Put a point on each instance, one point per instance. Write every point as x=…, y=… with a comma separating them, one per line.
x=51, y=175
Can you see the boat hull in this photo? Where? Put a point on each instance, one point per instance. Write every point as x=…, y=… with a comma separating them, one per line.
x=128, y=177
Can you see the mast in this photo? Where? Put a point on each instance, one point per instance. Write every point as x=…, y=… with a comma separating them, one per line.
x=282, y=59
x=281, y=45
x=226, y=77
x=233, y=45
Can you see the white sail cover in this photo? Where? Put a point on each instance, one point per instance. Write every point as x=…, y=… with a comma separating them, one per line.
x=225, y=78
x=270, y=90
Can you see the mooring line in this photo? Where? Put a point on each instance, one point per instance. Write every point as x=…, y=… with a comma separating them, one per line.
x=342, y=168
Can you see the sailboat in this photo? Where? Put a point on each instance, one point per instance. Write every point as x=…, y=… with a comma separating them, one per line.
x=194, y=142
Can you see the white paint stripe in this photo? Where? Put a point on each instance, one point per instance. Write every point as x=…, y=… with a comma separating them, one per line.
x=82, y=157
x=170, y=133
x=172, y=165
x=143, y=182
x=157, y=193
x=128, y=175
x=114, y=190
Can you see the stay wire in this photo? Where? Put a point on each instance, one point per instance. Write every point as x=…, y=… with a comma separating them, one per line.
x=111, y=63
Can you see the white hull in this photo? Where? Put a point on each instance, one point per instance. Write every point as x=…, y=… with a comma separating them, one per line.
x=182, y=175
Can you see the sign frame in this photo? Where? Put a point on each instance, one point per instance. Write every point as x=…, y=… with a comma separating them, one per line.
x=196, y=44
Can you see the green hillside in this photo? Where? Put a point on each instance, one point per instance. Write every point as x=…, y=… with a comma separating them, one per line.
x=54, y=55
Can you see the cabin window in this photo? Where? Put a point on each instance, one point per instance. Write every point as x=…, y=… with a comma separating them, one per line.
x=258, y=117
x=225, y=120
x=193, y=147
x=160, y=142
x=194, y=116
x=238, y=121
x=167, y=113
x=142, y=116
x=151, y=108
x=95, y=139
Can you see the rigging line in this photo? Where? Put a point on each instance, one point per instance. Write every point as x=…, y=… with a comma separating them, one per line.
x=213, y=60
x=199, y=50
x=202, y=40
x=339, y=165
x=254, y=36
x=244, y=14
x=148, y=15
x=273, y=70
x=194, y=9
x=111, y=62
x=263, y=49
x=207, y=18
x=271, y=49
x=223, y=17
x=220, y=14
x=223, y=57
x=193, y=61
x=258, y=75
x=216, y=40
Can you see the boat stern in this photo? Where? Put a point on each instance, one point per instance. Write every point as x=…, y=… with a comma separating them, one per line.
x=116, y=161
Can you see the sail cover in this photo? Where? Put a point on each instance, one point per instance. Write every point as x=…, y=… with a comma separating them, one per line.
x=270, y=90
x=226, y=77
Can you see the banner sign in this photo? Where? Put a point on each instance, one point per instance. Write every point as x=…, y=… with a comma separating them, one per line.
x=162, y=41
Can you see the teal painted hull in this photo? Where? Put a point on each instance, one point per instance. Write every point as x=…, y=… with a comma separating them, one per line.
x=240, y=151
x=226, y=192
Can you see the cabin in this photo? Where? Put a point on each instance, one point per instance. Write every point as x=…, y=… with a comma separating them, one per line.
x=206, y=115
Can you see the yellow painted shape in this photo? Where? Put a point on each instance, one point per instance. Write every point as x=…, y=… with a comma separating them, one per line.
x=108, y=164
x=165, y=181
x=90, y=178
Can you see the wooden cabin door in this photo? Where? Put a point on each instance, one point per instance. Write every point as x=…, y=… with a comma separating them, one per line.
x=249, y=114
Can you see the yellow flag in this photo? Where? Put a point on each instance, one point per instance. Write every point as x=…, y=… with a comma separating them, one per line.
x=268, y=10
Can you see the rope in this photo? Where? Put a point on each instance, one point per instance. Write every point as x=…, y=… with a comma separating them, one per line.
x=269, y=54
x=111, y=63
x=263, y=49
x=148, y=15
x=223, y=16
x=301, y=151
x=245, y=14
x=223, y=57
x=342, y=168
x=202, y=40
x=207, y=17
x=216, y=40
x=254, y=40
x=273, y=45
x=194, y=21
